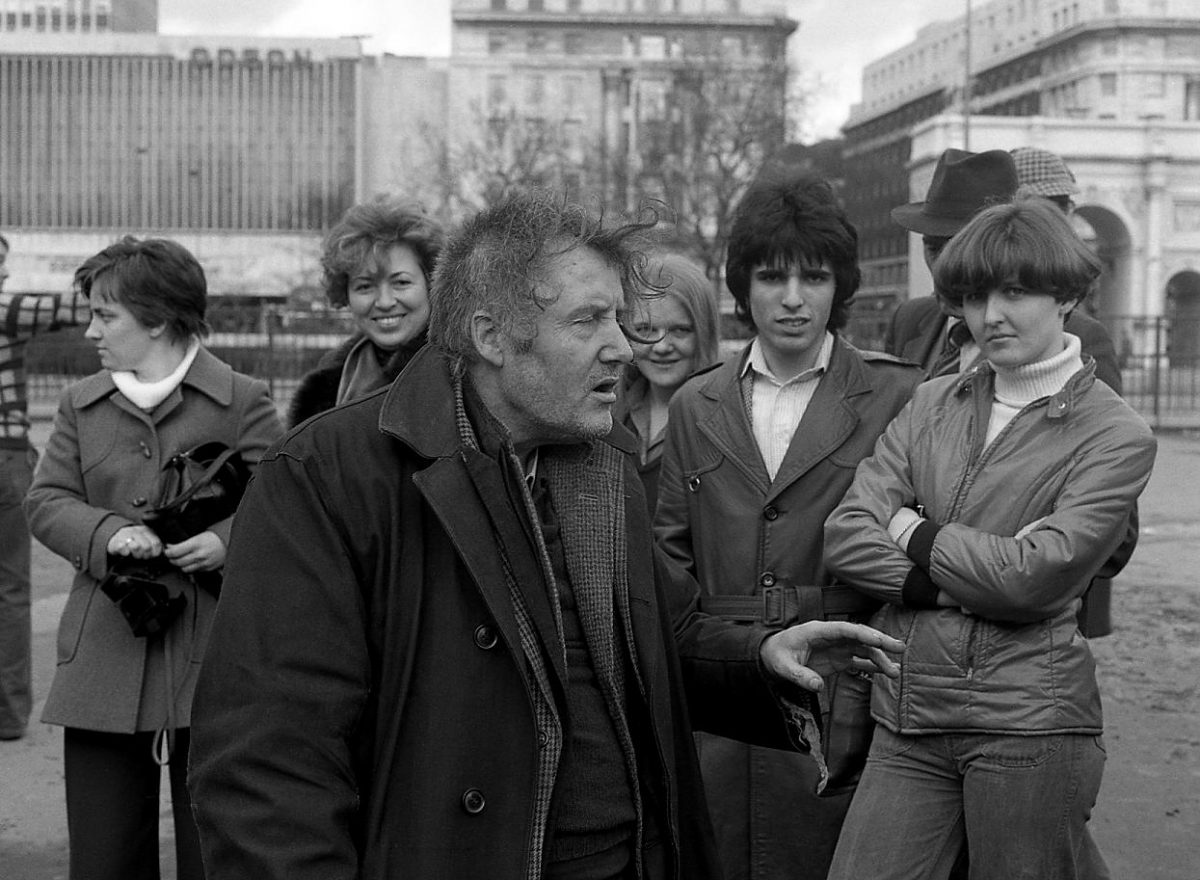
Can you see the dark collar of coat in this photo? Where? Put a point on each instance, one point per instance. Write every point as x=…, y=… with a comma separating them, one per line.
x=418, y=409
x=208, y=375
x=847, y=372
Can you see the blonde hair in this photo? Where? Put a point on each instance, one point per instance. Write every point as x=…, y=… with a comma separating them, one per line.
x=684, y=281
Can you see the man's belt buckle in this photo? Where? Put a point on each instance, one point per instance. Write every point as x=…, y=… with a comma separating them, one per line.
x=774, y=605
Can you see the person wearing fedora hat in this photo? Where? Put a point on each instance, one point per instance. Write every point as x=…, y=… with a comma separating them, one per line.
x=926, y=330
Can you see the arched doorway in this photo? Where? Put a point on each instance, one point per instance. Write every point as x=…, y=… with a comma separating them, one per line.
x=1183, y=319
x=1108, y=236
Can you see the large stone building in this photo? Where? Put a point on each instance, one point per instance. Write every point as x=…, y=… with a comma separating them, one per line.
x=619, y=88
x=78, y=16
x=1111, y=85
x=244, y=149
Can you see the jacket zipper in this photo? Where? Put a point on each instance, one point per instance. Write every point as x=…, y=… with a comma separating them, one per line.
x=982, y=455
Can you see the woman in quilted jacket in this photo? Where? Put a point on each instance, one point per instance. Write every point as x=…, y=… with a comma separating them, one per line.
x=987, y=507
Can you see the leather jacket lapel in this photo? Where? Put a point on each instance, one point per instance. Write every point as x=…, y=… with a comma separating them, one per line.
x=728, y=427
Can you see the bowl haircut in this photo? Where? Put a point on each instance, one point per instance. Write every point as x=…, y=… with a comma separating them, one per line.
x=1028, y=242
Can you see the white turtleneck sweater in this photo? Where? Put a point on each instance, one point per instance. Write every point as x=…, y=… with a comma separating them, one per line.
x=1017, y=387
x=147, y=395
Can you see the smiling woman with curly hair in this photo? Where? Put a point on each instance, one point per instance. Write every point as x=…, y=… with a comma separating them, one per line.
x=377, y=261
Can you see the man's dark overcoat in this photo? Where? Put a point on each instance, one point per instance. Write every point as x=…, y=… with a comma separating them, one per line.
x=365, y=708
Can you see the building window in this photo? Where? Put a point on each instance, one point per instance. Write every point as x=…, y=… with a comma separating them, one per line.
x=572, y=94
x=497, y=95
x=535, y=94
x=654, y=47
x=499, y=5
x=1109, y=46
x=1108, y=84
x=1112, y=7
x=653, y=94
x=1154, y=85
x=574, y=5
x=1191, y=100
x=537, y=6
x=497, y=42
x=535, y=42
x=573, y=43
x=573, y=141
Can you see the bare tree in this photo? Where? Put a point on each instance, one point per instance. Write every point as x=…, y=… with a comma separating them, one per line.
x=500, y=151
x=724, y=119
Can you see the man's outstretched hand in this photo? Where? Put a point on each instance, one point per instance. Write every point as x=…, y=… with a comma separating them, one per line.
x=802, y=654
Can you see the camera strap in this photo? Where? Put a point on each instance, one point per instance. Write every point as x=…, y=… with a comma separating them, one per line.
x=164, y=738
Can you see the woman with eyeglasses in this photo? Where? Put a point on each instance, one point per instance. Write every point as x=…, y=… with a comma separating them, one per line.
x=673, y=335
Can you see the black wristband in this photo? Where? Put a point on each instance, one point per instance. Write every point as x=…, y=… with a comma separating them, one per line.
x=920, y=543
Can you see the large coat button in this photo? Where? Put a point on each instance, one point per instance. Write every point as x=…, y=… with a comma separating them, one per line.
x=473, y=801
x=485, y=637
x=767, y=579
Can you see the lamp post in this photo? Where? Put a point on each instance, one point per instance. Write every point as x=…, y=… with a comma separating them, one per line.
x=966, y=102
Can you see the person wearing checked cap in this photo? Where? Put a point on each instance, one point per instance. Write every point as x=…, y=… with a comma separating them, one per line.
x=1042, y=173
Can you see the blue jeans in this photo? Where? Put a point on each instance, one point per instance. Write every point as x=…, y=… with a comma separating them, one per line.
x=16, y=692
x=1021, y=803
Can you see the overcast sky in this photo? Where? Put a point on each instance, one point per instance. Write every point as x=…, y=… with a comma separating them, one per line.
x=835, y=40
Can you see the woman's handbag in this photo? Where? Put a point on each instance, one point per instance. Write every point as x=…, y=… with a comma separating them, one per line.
x=198, y=488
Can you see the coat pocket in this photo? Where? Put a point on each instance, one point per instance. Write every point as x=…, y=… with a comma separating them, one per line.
x=74, y=616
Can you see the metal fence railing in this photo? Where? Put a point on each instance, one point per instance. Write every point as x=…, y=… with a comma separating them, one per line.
x=1159, y=356
x=1160, y=367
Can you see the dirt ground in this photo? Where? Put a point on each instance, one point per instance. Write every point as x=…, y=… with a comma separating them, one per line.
x=1147, y=821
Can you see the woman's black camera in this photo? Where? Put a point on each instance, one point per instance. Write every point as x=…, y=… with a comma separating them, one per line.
x=147, y=605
